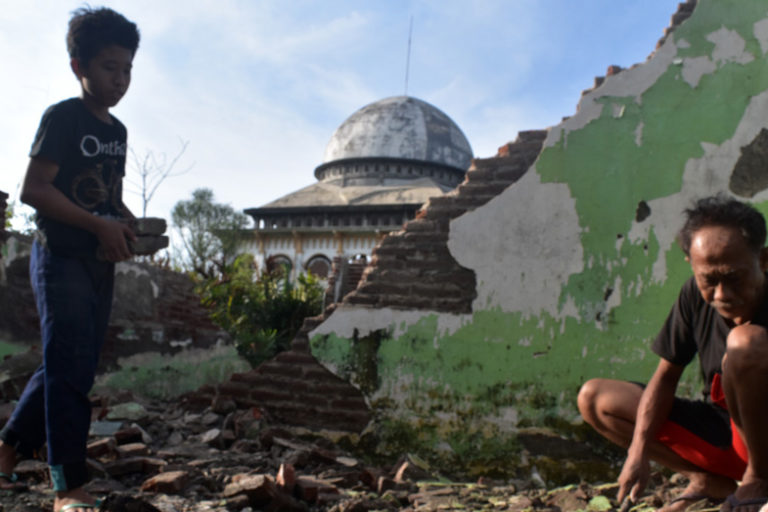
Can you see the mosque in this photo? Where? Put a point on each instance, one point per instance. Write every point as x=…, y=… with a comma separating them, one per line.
x=380, y=166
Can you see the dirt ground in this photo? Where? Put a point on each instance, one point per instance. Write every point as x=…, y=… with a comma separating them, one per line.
x=173, y=457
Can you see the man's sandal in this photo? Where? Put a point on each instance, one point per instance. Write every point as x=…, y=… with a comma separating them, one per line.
x=71, y=506
x=11, y=483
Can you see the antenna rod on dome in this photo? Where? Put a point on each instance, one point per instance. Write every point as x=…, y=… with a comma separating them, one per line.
x=408, y=56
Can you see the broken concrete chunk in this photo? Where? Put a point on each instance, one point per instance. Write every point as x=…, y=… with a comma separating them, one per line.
x=408, y=471
x=258, y=488
x=148, y=226
x=172, y=482
x=286, y=478
x=132, y=450
x=310, y=488
x=211, y=437
x=129, y=435
x=144, y=245
x=129, y=411
x=102, y=447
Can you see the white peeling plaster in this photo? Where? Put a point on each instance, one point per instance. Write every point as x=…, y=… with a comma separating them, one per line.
x=181, y=343
x=639, y=134
x=630, y=82
x=702, y=177
x=761, y=34
x=695, y=68
x=346, y=319
x=614, y=300
x=523, y=245
x=729, y=47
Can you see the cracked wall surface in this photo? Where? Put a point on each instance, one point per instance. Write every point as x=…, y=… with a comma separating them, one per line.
x=576, y=264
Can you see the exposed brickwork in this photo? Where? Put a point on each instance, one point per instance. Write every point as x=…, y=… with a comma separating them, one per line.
x=345, y=276
x=413, y=269
x=295, y=389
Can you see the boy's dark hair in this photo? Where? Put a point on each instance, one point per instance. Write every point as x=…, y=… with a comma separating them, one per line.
x=723, y=211
x=91, y=30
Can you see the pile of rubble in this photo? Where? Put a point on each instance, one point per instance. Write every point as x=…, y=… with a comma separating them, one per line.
x=184, y=456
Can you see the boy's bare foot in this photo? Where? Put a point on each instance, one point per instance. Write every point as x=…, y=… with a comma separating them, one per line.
x=8, y=460
x=701, y=486
x=68, y=501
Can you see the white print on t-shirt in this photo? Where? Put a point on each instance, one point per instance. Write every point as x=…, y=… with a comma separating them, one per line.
x=91, y=146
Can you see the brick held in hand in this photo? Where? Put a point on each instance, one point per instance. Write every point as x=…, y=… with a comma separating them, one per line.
x=147, y=244
x=147, y=225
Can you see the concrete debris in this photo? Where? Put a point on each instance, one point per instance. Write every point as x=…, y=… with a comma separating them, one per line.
x=176, y=458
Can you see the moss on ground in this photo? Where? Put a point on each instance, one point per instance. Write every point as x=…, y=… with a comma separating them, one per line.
x=168, y=376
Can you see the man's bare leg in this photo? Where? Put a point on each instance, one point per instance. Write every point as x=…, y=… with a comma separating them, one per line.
x=610, y=406
x=745, y=383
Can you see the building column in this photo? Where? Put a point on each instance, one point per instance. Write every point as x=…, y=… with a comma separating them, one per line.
x=298, y=249
x=338, y=237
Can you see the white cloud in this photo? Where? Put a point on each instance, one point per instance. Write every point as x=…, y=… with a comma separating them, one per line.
x=257, y=88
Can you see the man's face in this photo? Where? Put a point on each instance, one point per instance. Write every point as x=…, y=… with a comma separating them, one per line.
x=106, y=77
x=729, y=274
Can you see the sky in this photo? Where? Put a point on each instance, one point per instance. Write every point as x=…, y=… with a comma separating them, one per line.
x=255, y=89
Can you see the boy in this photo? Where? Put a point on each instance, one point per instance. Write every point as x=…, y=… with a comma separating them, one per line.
x=74, y=181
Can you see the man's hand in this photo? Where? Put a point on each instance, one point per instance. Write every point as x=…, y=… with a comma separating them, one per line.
x=113, y=240
x=634, y=476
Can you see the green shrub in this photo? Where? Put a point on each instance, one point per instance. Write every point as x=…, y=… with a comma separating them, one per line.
x=262, y=313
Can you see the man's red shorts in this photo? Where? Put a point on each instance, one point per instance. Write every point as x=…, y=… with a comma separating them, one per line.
x=704, y=434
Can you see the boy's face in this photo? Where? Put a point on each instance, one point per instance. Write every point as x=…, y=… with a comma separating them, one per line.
x=106, y=77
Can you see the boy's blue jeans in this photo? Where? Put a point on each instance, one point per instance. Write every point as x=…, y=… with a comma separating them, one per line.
x=74, y=299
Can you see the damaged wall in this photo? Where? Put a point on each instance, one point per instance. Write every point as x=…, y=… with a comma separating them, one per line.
x=575, y=265
x=154, y=309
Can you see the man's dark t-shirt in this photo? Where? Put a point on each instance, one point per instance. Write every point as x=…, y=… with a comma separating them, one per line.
x=91, y=158
x=693, y=326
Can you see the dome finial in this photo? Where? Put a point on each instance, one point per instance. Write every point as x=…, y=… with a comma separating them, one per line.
x=408, y=56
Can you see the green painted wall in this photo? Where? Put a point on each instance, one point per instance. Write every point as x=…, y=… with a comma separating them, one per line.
x=572, y=282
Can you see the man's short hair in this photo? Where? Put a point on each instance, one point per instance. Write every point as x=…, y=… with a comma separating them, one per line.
x=91, y=30
x=721, y=210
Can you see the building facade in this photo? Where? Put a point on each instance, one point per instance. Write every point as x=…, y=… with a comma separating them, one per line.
x=380, y=166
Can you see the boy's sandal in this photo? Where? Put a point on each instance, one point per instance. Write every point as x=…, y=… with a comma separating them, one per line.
x=71, y=506
x=11, y=483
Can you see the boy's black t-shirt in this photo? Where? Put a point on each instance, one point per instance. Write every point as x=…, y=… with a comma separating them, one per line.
x=692, y=327
x=91, y=158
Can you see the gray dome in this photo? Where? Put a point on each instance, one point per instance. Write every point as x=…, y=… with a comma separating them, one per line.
x=400, y=127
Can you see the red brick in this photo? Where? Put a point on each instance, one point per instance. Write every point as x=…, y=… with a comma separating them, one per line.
x=274, y=368
x=349, y=404
x=172, y=482
x=260, y=395
x=295, y=357
x=234, y=388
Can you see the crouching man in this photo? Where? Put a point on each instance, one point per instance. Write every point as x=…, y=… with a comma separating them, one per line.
x=721, y=314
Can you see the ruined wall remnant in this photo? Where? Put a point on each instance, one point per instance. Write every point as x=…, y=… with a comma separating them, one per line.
x=154, y=310
x=413, y=269
x=490, y=313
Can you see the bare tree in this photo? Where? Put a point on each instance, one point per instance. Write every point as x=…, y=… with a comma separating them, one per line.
x=153, y=170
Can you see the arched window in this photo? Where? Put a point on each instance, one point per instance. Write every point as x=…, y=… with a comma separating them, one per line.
x=319, y=266
x=279, y=263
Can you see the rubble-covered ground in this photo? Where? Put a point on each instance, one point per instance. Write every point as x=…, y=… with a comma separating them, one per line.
x=186, y=456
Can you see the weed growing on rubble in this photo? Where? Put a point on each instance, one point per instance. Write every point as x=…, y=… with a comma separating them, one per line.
x=262, y=313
